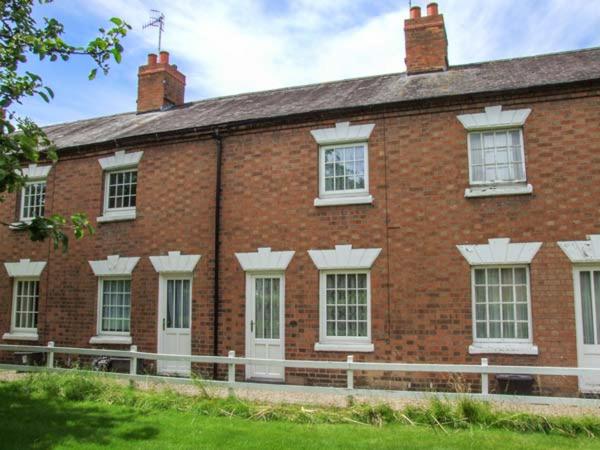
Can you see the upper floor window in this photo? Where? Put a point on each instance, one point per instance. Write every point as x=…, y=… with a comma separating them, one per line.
x=496, y=157
x=120, y=186
x=343, y=164
x=33, y=200
x=496, y=152
x=33, y=194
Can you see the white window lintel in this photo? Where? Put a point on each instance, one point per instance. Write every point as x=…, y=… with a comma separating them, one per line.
x=265, y=260
x=343, y=132
x=35, y=172
x=175, y=262
x=494, y=117
x=582, y=251
x=121, y=160
x=114, y=265
x=344, y=257
x=25, y=268
x=499, y=251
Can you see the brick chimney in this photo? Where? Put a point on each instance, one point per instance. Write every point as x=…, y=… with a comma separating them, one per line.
x=160, y=84
x=426, y=41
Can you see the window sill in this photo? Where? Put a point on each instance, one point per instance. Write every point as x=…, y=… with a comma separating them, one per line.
x=16, y=226
x=20, y=337
x=117, y=217
x=360, y=348
x=501, y=348
x=339, y=201
x=497, y=190
x=107, y=339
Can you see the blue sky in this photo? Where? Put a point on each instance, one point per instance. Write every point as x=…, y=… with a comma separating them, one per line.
x=230, y=46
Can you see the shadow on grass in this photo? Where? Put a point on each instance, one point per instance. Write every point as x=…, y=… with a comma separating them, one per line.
x=27, y=422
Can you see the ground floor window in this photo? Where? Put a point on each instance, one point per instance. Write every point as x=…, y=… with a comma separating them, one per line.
x=502, y=311
x=345, y=306
x=25, y=305
x=115, y=307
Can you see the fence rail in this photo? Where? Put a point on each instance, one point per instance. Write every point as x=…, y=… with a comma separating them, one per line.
x=350, y=366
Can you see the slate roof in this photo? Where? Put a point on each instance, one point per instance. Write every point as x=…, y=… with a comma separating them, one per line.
x=486, y=77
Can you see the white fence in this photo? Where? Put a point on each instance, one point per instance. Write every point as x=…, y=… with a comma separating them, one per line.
x=484, y=370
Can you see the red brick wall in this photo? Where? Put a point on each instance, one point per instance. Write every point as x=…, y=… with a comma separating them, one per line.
x=421, y=301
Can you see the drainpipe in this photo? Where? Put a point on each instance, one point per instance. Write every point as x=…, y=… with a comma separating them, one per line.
x=219, y=147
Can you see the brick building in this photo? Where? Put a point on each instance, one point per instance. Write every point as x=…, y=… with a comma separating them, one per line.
x=440, y=215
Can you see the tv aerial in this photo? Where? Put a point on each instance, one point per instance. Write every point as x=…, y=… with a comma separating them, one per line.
x=157, y=20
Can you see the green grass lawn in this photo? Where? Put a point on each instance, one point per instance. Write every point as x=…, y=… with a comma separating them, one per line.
x=29, y=421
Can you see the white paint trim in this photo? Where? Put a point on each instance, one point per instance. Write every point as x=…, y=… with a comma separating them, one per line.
x=582, y=251
x=114, y=265
x=16, y=336
x=25, y=268
x=175, y=262
x=498, y=189
x=344, y=257
x=494, y=117
x=117, y=216
x=499, y=251
x=111, y=339
x=265, y=260
x=121, y=160
x=482, y=348
x=358, y=348
x=343, y=132
x=339, y=201
x=35, y=172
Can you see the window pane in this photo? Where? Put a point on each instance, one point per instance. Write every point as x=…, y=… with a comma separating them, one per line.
x=122, y=189
x=492, y=276
x=496, y=156
x=116, y=305
x=480, y=276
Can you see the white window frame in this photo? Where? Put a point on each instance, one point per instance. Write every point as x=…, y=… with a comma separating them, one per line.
x=124, y=212
x=110, y=337
x=22, y=218
x=323, y=194
x=529, y=340
x=30, y=334
x=342, y=343
x=120, y=162
x=496, y=182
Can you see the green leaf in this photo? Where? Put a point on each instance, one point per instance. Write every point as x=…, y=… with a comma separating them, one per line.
x=117, y=54
x=92, y=74
x=118, y=22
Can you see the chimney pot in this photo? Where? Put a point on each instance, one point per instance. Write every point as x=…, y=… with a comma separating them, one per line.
x=151, y=59
x=415, y=12
x=164, y=57
x=432, y=9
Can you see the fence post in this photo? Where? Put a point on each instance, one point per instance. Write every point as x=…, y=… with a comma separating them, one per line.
x=133, y=362
x=231, y=372
x=50, y=357
x=485, y=386
x=350, y=373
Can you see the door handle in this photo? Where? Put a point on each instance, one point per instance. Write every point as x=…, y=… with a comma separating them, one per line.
x=252, y=326
x=164, y=322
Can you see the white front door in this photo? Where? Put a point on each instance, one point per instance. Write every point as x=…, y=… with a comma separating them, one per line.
x=174, y=323
x=587, y=314
x=265, y=294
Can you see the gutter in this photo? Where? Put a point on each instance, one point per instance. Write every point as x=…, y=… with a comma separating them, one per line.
x=217, y=245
